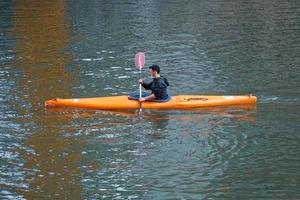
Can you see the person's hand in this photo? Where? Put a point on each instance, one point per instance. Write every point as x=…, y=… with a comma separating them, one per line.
x=142, y=99
x=141, y=81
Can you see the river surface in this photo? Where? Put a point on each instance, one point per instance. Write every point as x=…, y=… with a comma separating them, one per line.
x=77, y=48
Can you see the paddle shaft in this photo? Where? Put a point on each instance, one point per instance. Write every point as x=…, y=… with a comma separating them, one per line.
x=140, y=72
x=139, y=61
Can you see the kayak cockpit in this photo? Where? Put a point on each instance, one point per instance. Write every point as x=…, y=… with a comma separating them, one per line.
x=137, y=96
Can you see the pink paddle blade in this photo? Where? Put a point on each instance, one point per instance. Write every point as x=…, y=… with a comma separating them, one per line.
x=139, y=60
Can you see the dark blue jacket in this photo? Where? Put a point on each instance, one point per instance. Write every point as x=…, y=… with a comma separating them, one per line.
x=158, y=87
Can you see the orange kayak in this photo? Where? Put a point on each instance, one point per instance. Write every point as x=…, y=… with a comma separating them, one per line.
x=176, y=102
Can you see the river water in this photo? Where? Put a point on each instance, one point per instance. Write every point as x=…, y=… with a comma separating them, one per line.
x=85, y=48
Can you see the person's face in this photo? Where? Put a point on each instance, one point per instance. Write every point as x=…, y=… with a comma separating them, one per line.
x=152, y=73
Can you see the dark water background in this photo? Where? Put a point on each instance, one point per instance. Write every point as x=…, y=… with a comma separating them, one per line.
x=86, y=48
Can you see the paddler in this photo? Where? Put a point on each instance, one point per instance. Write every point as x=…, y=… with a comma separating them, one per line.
x=158, y=86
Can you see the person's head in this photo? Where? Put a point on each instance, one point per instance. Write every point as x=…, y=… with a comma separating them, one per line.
x=154, y=70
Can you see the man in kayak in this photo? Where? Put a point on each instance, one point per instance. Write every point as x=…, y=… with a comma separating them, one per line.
x=158, y=86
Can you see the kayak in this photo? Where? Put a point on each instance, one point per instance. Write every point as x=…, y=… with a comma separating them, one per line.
x=176, y=102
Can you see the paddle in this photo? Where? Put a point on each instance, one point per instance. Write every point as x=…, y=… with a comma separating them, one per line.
x=139, y=61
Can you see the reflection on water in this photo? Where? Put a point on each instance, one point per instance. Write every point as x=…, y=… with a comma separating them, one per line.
x=50, y=160
x=122, y=155
x=85, y=49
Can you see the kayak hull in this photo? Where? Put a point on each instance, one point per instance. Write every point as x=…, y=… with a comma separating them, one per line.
x=176, y=102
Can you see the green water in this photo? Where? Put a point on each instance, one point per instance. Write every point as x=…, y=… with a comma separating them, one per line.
x=86, y=49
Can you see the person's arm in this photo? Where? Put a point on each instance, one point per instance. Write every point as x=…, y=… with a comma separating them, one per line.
x=145, y=85
x=148, y=98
